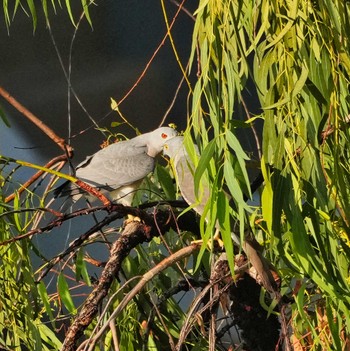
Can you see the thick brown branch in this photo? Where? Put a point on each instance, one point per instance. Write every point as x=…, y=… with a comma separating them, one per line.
x=164, y=264
x=134, y=234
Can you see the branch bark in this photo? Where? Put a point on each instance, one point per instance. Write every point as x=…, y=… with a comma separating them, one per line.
x=134, y=234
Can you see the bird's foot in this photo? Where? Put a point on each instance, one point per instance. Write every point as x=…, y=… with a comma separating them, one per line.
x=130, y=218
x=211, y=243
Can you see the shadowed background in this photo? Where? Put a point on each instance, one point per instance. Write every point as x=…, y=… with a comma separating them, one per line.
x=107, y=59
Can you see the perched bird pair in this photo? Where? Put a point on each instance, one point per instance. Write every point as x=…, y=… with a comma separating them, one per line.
x=118, y=170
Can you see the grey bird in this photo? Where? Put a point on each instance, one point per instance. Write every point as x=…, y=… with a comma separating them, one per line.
x=184, y=170
x=118, y=169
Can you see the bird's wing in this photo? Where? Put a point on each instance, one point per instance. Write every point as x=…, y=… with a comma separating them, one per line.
x=116, y=166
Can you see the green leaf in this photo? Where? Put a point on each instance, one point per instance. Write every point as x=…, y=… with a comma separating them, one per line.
x=64, y=293
x=86, y=4
x=233, y=185
x=45, y=299
x=165, y=182
x=49, y=337
x=116, y=124
x=203, y=164
x=81, y=270
x=32, y=10
x=70, y=13
x=3, y=117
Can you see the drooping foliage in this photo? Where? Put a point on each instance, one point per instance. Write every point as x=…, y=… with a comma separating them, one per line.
x=270, y=96
x=294, y=56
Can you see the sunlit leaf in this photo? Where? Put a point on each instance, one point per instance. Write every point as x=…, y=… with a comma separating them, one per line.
x=66, y=297
x=81, y=270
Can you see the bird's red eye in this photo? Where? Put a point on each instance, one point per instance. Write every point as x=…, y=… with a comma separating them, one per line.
x=164, y=135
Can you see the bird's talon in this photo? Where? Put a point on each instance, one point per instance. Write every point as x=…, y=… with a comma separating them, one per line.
x=130, y=218
x=211, y=243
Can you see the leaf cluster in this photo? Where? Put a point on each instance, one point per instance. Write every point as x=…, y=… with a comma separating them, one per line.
x=31, y=8
x=294, y=56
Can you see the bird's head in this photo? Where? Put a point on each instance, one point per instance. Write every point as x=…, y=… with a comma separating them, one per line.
x=158, y=138
x=174, y=147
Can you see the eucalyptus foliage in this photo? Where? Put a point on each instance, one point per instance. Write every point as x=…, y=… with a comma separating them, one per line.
x=295, y=57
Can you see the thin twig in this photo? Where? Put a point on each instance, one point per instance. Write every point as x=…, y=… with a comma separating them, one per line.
x=173, y=101
x=61, y=158
x=117, y=213
x=255, y=133
x=164, y=325
x=104, y=312
x=172, y=41
x=183, y=8
x=67, y=75
x=152, y=57
x=114, y=336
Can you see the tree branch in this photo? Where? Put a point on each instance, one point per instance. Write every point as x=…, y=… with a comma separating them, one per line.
x=134, y=234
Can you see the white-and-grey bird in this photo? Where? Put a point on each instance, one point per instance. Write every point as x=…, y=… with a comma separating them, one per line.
x=118, y=169
x=184, y=170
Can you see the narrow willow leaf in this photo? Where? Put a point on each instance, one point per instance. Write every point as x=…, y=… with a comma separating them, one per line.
x=45, y=9
x=32, y=10
x=70, y=13
x=202, y=5
x=225, y=227
x=233, y=185
x=165, y=182
x=46, y=302
x=267, y=197
x=333, y=326
x=241, y=157
x=85, y=4
x=231, y=82
x=334, y=14
x=309, y=260
x=80, y=268
x=64, y=293
x=280, y=35
x=3, y=117
x=291, y=157
x=6, y=13
x=203, y=164
x=299, y=85
x=49, y=337
x=17, y=215
x=235, y=145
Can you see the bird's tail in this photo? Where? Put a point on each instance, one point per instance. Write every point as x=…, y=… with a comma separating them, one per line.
x=264, y=269
x=71, y=192
x=262, y=266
